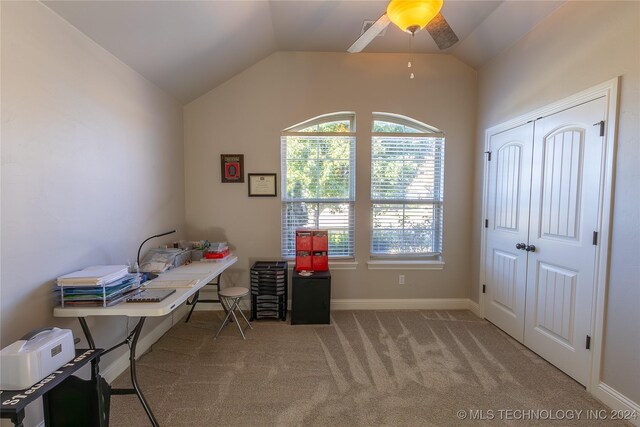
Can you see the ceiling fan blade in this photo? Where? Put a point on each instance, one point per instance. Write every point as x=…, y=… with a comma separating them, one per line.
x=441, y=32
x=370, y=34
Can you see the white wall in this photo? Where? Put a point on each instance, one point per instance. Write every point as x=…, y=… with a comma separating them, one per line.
x=580, y=45
x=92, y=163
x=247, y=114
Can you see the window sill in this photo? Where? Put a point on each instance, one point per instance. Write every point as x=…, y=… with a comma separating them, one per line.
x=334, y=265
x=343, y=265
x=404, y=265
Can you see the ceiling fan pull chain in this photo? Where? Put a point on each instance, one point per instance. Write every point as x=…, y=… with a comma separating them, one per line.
x=409, y=65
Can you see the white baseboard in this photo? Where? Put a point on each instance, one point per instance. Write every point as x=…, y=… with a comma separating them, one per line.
x=618, y=402
x=212, y=307
x=244, y=305
x=474, y=307
x=401, y=304
x=119, y=365
x=381, y=304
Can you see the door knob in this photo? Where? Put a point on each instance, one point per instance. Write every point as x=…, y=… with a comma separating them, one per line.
x=521, y=246
x=530, y=248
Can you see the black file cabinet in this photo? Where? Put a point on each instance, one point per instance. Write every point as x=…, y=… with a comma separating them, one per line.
x=311, y=298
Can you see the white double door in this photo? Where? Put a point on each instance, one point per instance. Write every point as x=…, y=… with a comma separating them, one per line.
x=540, y=257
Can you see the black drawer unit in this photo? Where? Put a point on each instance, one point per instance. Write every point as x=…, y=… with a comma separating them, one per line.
x=311, y=298
x=269, y=283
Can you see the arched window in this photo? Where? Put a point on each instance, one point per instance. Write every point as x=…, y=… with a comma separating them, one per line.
x=318, y=181
x=407, y=169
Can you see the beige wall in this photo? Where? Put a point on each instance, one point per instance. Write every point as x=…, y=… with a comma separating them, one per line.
x=92, y=163
x=247, y=114
x=579, y=46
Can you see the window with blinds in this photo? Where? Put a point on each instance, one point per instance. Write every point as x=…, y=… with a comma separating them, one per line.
x=407, y=159
x=318, y=182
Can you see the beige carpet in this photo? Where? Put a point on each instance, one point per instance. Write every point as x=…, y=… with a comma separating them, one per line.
x=368, y=368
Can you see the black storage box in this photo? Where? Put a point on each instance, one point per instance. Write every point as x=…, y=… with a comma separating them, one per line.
x=311, y=298
x=269, y=284
x=75, y=403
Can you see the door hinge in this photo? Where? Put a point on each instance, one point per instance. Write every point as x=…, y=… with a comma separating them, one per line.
x=588, y=343
x=595, y=238
x=484, y=289
x=486, y=223
x=488, y=153
x=601, y=124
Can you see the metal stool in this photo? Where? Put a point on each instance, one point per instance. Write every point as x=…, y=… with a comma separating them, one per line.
x=230, y=298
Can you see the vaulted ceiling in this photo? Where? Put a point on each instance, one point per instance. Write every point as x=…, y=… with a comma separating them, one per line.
x=189, y=47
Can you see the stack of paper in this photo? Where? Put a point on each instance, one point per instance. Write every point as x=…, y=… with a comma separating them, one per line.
x=99, y=285
x=102, y=295
x=96, y=275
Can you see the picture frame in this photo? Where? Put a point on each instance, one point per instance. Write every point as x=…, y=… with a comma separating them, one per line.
x=231, y=168
x=263, y=185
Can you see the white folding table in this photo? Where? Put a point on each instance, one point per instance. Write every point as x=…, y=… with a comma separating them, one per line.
x=201, y=272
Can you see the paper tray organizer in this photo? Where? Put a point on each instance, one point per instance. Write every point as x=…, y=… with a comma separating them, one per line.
x=101, y=295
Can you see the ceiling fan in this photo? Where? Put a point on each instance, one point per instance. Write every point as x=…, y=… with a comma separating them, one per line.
x=411, y=16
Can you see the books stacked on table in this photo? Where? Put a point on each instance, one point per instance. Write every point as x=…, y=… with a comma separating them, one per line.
x=217, y=251
x=99, y=285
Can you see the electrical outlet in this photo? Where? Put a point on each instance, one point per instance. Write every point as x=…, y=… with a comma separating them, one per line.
x=401, y=279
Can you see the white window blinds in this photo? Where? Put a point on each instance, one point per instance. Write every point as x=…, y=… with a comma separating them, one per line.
x=406, y=195
x=318, y=189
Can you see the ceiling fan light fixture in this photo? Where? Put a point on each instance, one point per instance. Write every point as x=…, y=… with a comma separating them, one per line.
x=413, y=15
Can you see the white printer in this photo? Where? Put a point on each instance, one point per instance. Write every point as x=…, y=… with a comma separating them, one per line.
x=36, y=355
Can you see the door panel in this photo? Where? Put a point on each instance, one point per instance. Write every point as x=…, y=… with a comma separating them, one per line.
x=508, y=160
x=508, y=214
x=505, y=268
x=561, y=182
x=565, y=187
x=555, y=302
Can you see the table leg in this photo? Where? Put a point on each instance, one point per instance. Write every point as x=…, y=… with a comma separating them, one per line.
x=18, y=418
x=87, y=333
x=131, y=341
x=196, y=298
x=193, y=303
x=97, y=379
x=95, y=371
x=132, y=369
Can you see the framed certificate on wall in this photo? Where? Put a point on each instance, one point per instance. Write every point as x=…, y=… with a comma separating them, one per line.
x=262, y=185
